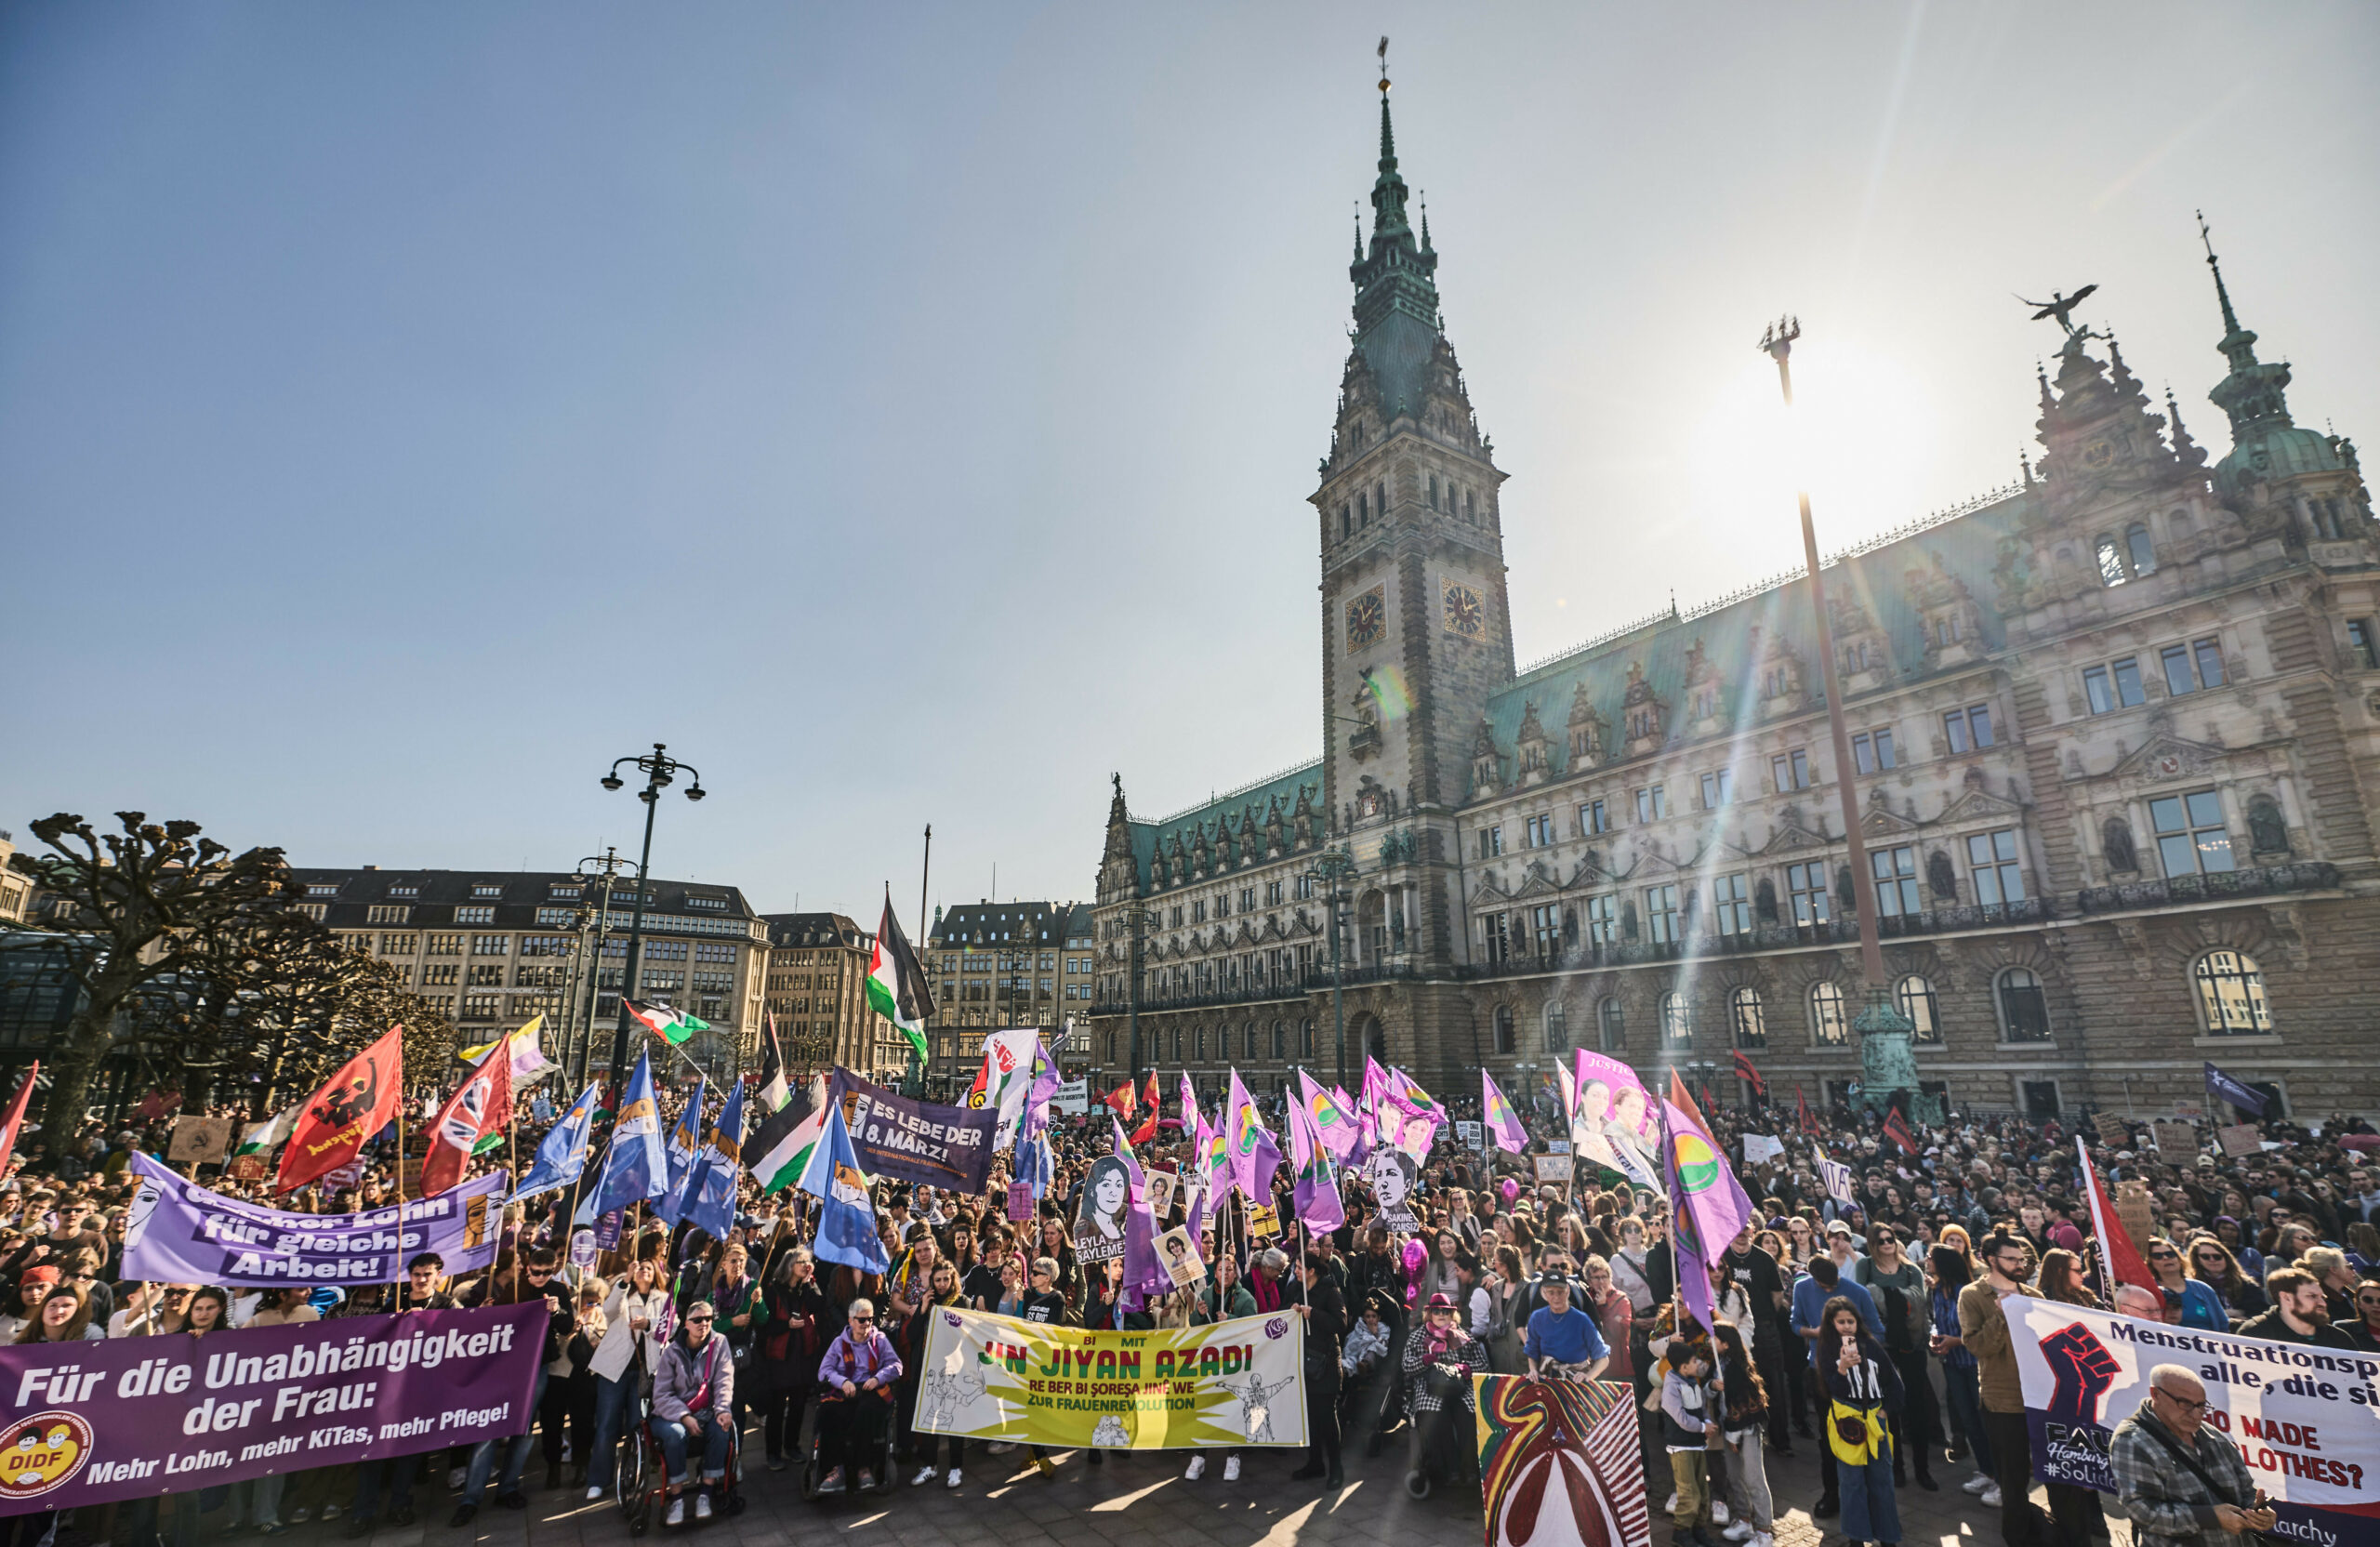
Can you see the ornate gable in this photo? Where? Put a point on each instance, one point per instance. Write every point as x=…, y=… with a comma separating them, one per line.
x=2165, y=757
x=1588, y=731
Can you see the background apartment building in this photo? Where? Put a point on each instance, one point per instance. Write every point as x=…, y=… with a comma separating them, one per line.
x=497, y=948
x=1005, y=964
x=817, y=976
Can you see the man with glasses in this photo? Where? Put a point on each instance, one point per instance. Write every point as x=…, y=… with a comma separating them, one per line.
x=528, y=1281
x=2300, y=1312
x=2181, y=1483
x=1983, y=1328
x=694, y=1397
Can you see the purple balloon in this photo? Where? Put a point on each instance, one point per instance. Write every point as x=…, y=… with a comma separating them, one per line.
x=1510, y=1189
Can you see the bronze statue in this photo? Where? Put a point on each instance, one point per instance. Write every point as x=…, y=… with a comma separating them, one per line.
x=2061, y=306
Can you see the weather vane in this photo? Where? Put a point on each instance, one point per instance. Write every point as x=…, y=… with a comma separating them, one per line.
x=1383, y=65
x=2061, y=306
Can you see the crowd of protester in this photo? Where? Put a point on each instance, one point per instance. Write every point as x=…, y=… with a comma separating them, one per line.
x=1871, y=1321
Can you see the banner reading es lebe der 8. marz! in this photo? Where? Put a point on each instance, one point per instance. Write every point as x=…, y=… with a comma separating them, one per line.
x=1234, y=1383
x=87, y=1422
x=2306, y=1418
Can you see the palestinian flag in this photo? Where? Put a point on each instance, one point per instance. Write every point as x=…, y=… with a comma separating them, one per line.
x=670, y=1026
x=897, y=987
x=265, y=1137
x=774, y=1091
x=780, y=1148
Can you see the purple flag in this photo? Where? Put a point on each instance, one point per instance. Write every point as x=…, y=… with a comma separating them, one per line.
x=1142, y=1270
x=1706, y=1201
x=1503, y=1125
x=1248, y=1148
x=1318, y=1203
x=1328, y=1115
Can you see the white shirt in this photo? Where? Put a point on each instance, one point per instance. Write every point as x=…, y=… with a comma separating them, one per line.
x=619, y=1344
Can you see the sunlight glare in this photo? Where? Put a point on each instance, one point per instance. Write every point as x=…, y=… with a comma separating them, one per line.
x=1858, y=438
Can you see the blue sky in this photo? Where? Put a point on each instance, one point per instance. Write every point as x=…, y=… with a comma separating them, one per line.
x=906, y=413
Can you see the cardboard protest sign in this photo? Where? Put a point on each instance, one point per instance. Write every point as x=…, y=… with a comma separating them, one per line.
x=199, y=1140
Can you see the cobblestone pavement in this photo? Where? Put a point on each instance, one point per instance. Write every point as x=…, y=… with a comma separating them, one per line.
x=1139, y=1500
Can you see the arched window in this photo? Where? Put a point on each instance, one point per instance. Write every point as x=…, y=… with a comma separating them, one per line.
x=1749, y=1022
x=1916, y=997
x=1111, y=1049
x=2111, y=570
x=2024, y=1009
x=1177, y=1044
x=1611, y=1025
x=1248, y=1041
x=2138, y=551
x=1677, y=1020
x=1503, y=1022
x=1433, y=491
x=2231, y=995
x=1198, y=1043
x=1280, y=1041
x=1557, y=1027
x=1376, y=1041
x=1830, y=1027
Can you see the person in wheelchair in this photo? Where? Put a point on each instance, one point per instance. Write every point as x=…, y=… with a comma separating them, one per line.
x=1564, y=1342
x=857, y=1376
x=694, y=1395
x=1439, y=1360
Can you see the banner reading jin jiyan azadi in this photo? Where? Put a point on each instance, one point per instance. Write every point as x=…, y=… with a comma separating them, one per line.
x=1233, y=1384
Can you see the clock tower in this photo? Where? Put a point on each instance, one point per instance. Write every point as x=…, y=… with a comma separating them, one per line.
x=1416, y=629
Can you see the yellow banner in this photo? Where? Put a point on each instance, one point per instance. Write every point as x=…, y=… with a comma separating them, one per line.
x=1232, y=1383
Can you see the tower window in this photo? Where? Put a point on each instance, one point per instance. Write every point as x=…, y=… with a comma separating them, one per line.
x=1363, y=510
x=2139, y=548
x=1433, y=491
x=1382, y=495
x=1346, y=521
x=2361, y=634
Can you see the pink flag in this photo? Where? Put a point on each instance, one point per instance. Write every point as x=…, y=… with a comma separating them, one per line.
x=1504, y=1124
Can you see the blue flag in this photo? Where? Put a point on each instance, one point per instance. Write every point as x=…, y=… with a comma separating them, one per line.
x=846, y=1216
x=635, y=1169
x=686, y=1151
x=2223, y=1087
x=711, y=1180
x=561, y=1156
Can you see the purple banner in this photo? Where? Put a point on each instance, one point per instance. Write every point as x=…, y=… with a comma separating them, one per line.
x=136, y=1417
x=180, y=1233
x=915, y=1141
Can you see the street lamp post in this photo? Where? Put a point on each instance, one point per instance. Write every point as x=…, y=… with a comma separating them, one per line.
x=660, y=771
x=593, y=928
x=1138, y=917
x=1885, y=1031
x=1332, y=868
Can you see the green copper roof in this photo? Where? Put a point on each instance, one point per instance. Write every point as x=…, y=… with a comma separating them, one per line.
x=1251, y=804
x=1736, y=637
x=1396, y=292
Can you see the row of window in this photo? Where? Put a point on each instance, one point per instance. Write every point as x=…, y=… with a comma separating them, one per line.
x=2227, y=987
x=1963, y=730
x=1673, y=912
x=1192, y=1045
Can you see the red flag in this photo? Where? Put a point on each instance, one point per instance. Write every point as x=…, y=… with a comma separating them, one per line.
x=14, y=1120
x=1147, y=1130
x=2119, y=1259
x=1151, y=1099
x=1802, y=1110
x=1684, y=1104
x=1896, y=1130
x=1750, y=1075
x=352, y=1105
x=479, y=1106
x=1122, y=1100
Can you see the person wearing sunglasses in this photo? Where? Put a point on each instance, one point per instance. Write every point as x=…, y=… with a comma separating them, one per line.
x=858, y=1373
x=526, y=1281
x=694, y=1397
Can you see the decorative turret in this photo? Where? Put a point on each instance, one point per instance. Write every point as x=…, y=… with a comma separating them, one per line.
x=2267, y=445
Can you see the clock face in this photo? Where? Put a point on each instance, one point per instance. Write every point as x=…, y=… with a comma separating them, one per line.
x=1464, y=615
x=1367, y=619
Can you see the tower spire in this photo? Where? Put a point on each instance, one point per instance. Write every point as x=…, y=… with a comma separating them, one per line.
x=1396, y=293
x=2231, y=320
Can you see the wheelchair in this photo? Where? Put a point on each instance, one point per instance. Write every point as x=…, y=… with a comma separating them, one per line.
x=1444, y=1448
x=644, y=1476
x=817, y=1463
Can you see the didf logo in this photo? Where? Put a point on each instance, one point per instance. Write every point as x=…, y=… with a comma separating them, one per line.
x=41, y=1453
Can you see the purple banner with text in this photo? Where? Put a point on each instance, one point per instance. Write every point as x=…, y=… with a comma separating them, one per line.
x=180, y=1233
x=136, y=1417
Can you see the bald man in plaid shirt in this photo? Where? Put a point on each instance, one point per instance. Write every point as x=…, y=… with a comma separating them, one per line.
x=2170, y=1501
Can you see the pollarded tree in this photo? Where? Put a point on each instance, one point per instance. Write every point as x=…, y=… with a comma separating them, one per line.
x=142, y=911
